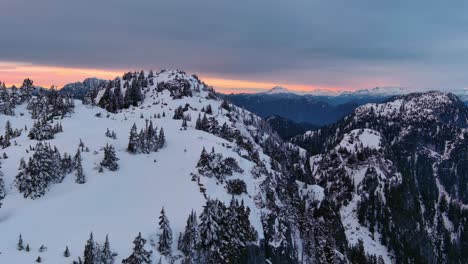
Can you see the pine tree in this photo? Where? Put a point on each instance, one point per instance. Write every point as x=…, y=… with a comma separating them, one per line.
x=20, y=243
x=2, y=188
x=81, y=146
x=8, y=129
x=209, y=232
x=106, y=253
x=27, y=248
x=66, y=253
x=165, y=236
x=42, y=248
x=110, y=158
x=39, y=259
x=139, y=255
x=89, y=251
x=178, y=113
x=161, y=138
x=80, y=177
x=208, y=110
x=133, y=142
x=204, y=160
x=225, y=105
x=188, y=242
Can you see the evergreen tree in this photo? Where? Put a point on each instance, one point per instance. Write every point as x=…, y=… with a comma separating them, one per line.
x=165, y=236
x=89, y=251
x=208, y=110
x=178, y=113
x=110, y=158
x=139, y=255
x=67, y=163
x=161, y=138
x=42, y=248
x=20, y=245
x=8, y=129
x=66, y=253
x=80, y=176
x=2, y=188
x=209, y=232
x=188, y=242
x=27, y=248
x=106, y=253
x=39, y=259
x=133, y=142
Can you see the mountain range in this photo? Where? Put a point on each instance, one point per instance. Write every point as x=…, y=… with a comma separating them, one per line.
x=319, y=107
x=156, y=167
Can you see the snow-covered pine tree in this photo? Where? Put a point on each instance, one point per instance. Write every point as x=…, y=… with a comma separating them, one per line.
x=210, y=229
x=133, y=142
x=8, y=129
x=81, y=145
x=178, y=113
x=57, y=173
x=20, y=245
x=89, y=251
x=205, y=160
x=139, y=255
x=67, y=163
x=110, y=158
x=165, y=235
x=161, y=138
x=133, y=94
x=190, y=239
x=2, y=188
x=106, y=253
x=42, y=248
x=108, y=133
x=34, y=178
x=198, y=123
x=66, y=253
x=80, y=176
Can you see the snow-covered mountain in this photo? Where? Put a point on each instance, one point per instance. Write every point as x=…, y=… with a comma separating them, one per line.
x=158, y=158
x=393, y=170
x=278, y=90
x=215, y=164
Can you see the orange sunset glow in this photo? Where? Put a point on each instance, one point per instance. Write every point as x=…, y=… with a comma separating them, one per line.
x=13, y=73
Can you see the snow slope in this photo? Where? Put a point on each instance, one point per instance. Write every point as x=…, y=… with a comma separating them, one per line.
x=120, y=203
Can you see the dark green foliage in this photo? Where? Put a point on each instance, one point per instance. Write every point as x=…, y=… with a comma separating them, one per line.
x=236, y=187
x=139, y=255
x=110, y=158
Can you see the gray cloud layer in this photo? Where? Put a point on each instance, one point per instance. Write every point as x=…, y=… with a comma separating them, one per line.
x=348, y=43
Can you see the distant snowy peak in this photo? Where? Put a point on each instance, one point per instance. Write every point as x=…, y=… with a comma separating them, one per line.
x=432, y=105
x=322, y=92
x=378, y=91
x=278, y=90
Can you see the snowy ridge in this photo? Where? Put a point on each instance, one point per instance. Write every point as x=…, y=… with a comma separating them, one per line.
x=108, y=202
x=278, y=90
x=350, y=181
x=414, y=107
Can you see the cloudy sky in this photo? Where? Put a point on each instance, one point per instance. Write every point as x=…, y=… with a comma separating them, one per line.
x=239, y=45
